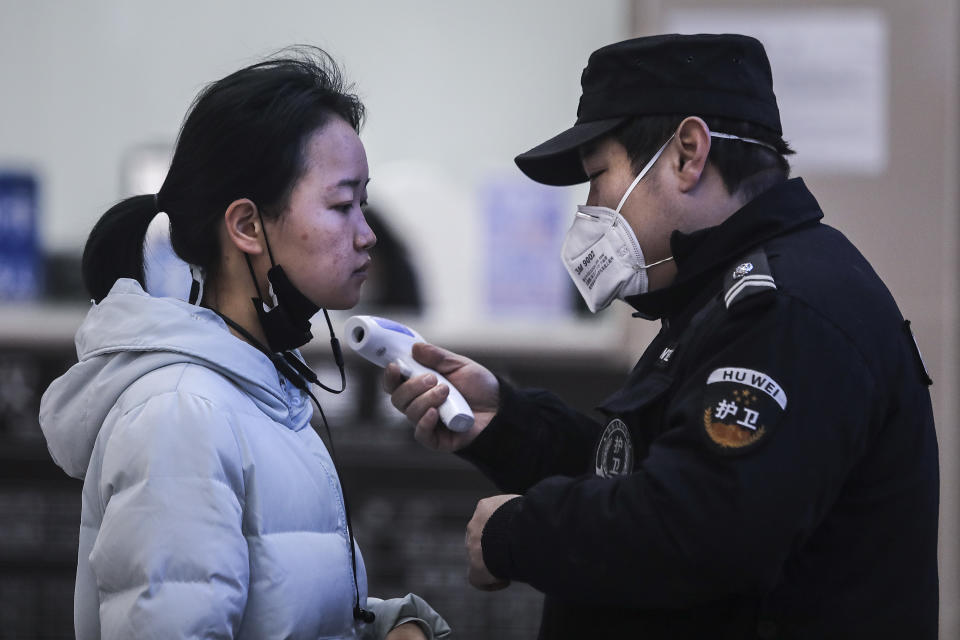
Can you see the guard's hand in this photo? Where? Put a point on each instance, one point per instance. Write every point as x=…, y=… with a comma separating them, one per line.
x=477, y=572
x=406, y=631
x=419, y=397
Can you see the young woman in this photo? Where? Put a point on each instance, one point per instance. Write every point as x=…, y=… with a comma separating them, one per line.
x=211, y=508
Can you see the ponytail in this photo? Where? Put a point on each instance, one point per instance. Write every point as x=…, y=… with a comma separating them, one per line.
x=114, y=248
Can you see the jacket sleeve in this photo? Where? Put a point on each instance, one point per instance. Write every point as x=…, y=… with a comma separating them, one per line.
x=170, y=558
x=394, y=612
x=698, y=520
x=533, y=436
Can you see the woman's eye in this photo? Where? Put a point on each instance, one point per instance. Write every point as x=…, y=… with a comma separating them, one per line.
x=343, y=208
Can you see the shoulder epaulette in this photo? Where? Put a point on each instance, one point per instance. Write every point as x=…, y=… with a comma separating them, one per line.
x=747, y=277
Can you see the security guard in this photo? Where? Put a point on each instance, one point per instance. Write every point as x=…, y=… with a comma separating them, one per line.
x=769, y=468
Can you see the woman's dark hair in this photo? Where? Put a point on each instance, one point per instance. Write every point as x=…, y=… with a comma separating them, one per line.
x=243, y=137
x=738, y=162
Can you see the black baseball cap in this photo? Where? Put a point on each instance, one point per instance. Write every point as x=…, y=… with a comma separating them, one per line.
x=725, y=75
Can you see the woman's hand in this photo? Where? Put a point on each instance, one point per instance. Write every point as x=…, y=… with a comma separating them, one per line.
x=406, y=631
x=419, y=397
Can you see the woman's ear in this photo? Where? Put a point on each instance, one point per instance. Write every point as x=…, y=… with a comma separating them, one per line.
x=244, y=227
x=693, y=136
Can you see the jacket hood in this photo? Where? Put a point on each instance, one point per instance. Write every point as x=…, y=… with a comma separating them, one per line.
x=130, y=334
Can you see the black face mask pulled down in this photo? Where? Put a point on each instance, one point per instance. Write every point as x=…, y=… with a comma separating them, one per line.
x=287, y=325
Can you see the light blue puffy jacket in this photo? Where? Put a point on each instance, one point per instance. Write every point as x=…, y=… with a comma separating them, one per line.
x=210, y=506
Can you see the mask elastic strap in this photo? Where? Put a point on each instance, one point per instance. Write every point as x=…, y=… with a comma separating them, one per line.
x=273, y=263
x=253, y=276
x=643, y=172
x=653, y=264
x=713, y=134
x=730, y=136
x=196, y=285
x=265, y=239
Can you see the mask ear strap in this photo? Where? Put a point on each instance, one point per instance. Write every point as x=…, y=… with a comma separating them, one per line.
x=196, y=286
x=265, y=239
x=644, y=171
x=254, y=277
x=730, y=136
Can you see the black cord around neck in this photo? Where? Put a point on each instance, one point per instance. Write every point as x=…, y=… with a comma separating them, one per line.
x=337, y=357
x=359, y=613
x=300, y=375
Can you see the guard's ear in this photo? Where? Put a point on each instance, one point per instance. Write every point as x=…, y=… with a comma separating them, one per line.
x=693, y=137
x=244, y=227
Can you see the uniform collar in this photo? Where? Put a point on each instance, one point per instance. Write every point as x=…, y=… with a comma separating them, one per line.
x=698, y=255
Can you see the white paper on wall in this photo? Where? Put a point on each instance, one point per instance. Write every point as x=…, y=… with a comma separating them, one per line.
x=830, y=75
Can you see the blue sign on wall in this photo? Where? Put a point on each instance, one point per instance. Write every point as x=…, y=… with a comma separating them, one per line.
x=525, y=225
x=20, y=265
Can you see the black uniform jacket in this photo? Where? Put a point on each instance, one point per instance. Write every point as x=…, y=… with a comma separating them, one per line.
x=769, y=468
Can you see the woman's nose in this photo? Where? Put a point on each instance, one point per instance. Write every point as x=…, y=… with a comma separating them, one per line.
x=365, y=239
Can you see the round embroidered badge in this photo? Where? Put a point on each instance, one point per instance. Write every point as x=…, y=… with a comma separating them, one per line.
x=741, y=406
x=614, y=451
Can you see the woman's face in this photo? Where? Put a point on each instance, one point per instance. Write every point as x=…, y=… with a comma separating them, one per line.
x=322, y=240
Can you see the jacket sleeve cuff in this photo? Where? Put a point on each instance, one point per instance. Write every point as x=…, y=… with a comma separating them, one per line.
x=391, y=613
x=495, y=439
x=495, y=541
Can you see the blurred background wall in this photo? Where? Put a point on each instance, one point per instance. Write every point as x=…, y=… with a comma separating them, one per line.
x=91, y=97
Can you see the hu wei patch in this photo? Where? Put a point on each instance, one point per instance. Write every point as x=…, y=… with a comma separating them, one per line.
x=740, y=408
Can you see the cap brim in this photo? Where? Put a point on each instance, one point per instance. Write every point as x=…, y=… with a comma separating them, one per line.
x=556, y=162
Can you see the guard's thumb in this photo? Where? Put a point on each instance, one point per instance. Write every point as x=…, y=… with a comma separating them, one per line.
x=437, y=358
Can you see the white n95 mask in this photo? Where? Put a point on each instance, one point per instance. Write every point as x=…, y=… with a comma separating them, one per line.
x=601, y=252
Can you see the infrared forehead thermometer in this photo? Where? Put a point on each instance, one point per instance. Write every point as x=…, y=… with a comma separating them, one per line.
x=382, y=341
